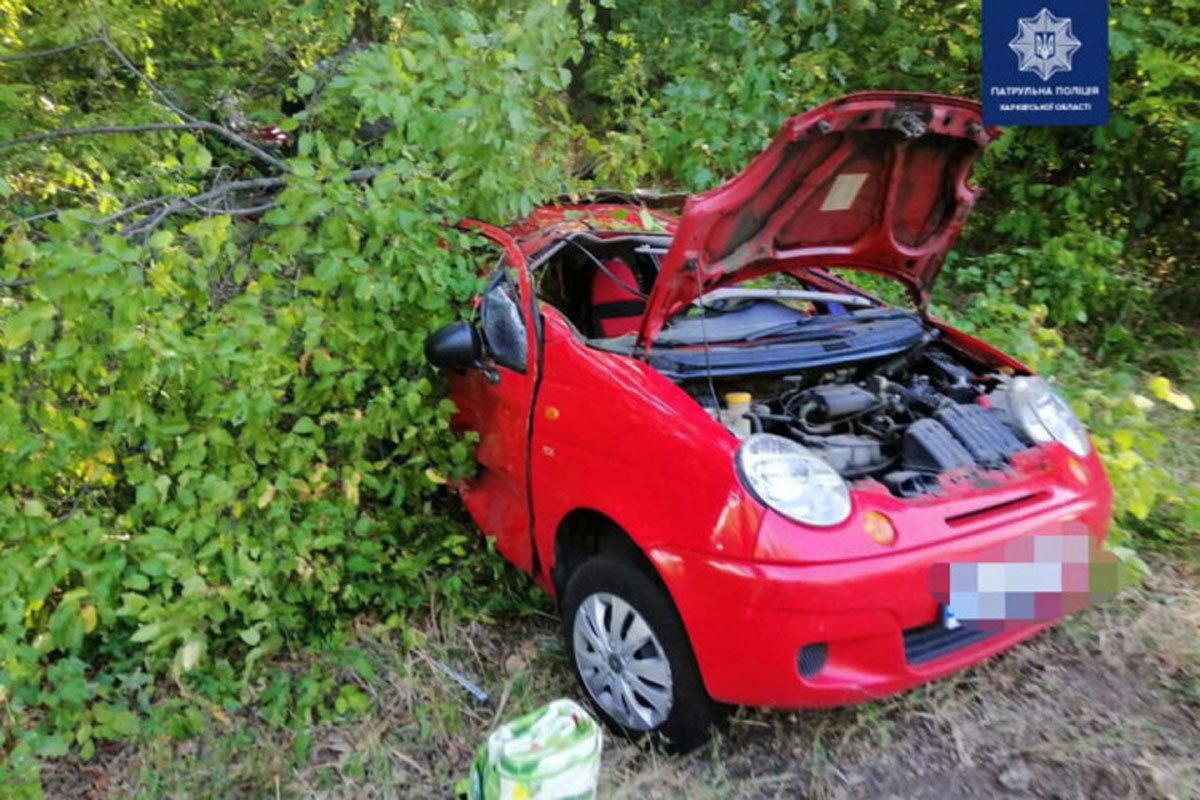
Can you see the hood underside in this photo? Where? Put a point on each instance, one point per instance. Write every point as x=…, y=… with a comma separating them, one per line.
x=875, y=181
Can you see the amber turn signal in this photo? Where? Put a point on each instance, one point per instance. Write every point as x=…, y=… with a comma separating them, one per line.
x=879, y=528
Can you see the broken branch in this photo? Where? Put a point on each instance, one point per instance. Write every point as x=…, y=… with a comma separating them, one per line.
x=219, y=130
x=200, y=201
x=67, y=133
x=66, y=48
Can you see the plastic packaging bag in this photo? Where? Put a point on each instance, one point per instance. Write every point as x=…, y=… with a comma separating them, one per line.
x=549, y=754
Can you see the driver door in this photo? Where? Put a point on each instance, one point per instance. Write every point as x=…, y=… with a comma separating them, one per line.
x=496, y=402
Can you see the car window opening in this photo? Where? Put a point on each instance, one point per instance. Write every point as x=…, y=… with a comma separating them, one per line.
x=600, y=284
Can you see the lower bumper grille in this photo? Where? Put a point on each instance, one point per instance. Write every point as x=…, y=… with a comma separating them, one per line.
x=934, y=641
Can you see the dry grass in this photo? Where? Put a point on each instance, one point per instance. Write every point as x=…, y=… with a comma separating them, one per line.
x=1104, y=705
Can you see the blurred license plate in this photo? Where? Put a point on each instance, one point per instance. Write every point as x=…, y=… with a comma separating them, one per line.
x=1035, y=579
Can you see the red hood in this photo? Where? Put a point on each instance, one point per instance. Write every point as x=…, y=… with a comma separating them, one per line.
x=875, y=181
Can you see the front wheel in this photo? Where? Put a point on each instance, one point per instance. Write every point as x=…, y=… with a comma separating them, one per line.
x=632, y=656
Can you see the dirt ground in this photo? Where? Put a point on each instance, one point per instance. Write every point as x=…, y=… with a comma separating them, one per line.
x=1104, y=705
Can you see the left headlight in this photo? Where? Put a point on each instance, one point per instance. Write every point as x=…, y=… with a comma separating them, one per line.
x=1044, y=415
x=792, y=480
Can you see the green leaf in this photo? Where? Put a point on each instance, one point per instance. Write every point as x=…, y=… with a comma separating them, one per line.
x=147, y=633
x=52, y=746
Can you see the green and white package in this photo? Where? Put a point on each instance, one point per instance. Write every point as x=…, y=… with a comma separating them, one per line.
x=549, y=754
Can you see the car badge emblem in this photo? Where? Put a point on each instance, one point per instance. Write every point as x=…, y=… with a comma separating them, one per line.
x=1044, y=44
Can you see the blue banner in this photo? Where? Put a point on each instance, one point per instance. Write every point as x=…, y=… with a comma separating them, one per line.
x=1045, y=62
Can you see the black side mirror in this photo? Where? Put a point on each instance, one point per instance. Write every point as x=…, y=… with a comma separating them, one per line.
x=458, y=346
x=454, y=346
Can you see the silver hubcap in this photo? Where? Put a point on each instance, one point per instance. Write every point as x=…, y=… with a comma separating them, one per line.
x=622, y=662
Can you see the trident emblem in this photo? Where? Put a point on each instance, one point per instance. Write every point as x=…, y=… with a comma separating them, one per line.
x=1043, y=45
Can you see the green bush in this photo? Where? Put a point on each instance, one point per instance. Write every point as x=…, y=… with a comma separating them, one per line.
x=220, y=437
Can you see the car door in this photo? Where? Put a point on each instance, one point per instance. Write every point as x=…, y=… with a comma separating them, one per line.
x=497, y=400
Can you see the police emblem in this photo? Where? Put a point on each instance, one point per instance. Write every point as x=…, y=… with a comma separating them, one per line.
x=1044, y=44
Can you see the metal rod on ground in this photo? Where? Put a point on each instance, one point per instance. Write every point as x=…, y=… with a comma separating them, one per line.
x=456, y=676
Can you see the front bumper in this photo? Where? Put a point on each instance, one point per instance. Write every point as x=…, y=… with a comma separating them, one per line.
x=748, y=620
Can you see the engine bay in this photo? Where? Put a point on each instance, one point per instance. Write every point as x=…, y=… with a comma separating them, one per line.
x=903, y=422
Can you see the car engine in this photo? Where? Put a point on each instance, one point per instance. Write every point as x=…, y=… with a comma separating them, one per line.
x=904, y=422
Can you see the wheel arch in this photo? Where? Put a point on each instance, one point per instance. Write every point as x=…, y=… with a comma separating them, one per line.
x=586, y=532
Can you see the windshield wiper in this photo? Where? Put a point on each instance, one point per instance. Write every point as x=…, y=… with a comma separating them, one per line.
x=797, y=335
x=870, y=315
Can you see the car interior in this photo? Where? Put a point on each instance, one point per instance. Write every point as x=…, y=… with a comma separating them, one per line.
x=599, y=285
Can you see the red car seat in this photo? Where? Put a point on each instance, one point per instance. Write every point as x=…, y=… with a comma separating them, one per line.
x=616, y=305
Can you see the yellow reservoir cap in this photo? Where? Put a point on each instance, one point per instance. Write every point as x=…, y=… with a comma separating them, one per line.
x=735, y=398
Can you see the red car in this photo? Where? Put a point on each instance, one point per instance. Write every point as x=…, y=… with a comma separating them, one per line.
x=736, y=471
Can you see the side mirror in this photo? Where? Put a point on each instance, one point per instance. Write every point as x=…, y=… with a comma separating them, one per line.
x=454, y=346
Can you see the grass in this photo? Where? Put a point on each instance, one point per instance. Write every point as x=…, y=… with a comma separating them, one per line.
x=1107, y=704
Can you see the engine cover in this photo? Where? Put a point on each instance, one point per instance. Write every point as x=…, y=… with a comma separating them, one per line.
x=849, y=454
x=930, y=447
x=989, y=441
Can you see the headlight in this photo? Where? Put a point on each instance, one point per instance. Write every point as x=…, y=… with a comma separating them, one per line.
x=792, y=480
x=1044, y=415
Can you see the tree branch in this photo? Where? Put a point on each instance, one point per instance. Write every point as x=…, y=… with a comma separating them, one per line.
x=151, y=85
x=131, y=209
x=149, y=223
x=38, y=217
x=66, y=48
x=103, y=38
x=67, y=133
x=194, y=125
x=234, y=211
x=219, y=130
x=202, y=202
x=198, y=201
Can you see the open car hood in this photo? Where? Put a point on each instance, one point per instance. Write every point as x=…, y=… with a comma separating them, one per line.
x=875, y=181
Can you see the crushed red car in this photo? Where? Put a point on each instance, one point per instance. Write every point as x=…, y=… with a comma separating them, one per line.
x=736, y=470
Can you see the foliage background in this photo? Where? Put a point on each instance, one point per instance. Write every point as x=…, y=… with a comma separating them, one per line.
x=219, y=439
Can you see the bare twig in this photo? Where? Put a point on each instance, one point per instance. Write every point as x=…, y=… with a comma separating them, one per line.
x=235, y=211
x=219, y=130
x=132, y=209
x=124, y=212
x=151, y=85
x=179, y=204
x=41, y=216
x=66, y=48
x=174, y=206
x=202, y=202
x=95, y=130
x=193, y=125
x=191, y=120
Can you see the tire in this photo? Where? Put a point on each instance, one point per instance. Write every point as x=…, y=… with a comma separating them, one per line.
x=652, y=689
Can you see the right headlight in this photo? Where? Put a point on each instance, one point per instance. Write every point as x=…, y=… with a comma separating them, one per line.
x=792, y=480
x=1044, y=415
